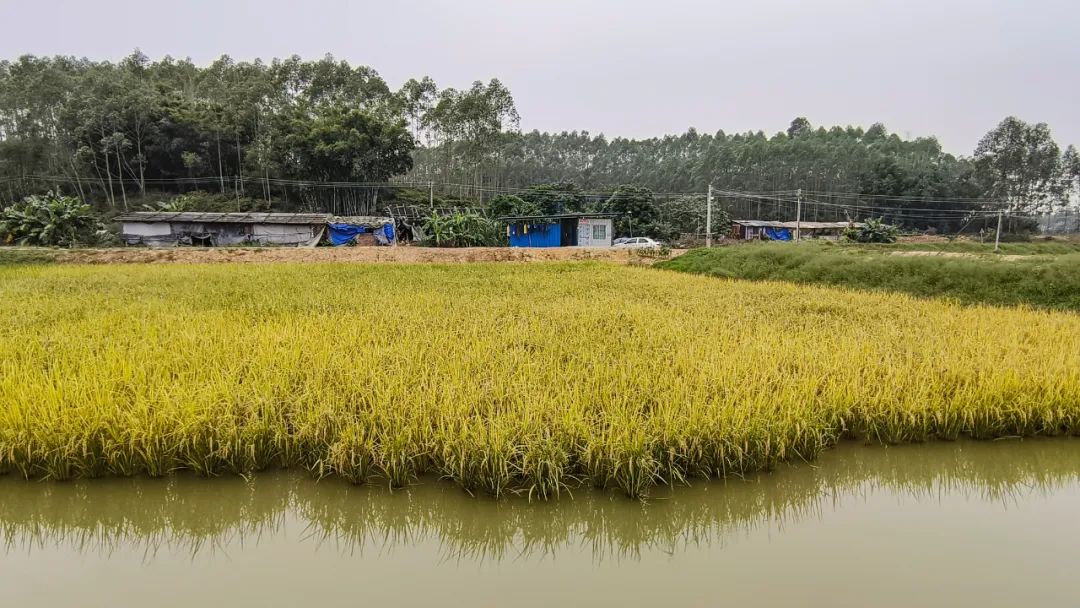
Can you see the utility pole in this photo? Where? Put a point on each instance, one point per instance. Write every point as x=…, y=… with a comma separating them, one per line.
x=708, y=218
x=997, y=237
x=431, y=195
x=798, y=216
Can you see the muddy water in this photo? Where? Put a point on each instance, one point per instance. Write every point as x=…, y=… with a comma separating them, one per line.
x=951, y=524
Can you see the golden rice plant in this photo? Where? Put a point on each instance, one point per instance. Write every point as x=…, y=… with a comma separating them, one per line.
x=504, y=378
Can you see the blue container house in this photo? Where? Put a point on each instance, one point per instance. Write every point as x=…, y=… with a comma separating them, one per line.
x=562, y=230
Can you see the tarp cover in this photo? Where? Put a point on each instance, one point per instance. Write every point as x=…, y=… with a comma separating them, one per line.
x=778, y=234
x=343, y=234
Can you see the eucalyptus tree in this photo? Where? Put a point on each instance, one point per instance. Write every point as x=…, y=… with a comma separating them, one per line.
x=1020, y=163
x=416, y=98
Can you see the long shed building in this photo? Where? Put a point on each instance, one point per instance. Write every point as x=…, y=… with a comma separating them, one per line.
x=171, y=228
x=746, y=230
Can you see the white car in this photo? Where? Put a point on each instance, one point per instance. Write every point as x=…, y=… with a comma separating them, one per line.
x=641, y=242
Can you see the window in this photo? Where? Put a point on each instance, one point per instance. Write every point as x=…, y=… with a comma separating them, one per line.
x=599, y=232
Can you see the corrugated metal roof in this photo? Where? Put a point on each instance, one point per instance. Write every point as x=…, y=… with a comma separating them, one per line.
x=558, y=216
x=199, y=217
x=360, y=220
x=792, y=225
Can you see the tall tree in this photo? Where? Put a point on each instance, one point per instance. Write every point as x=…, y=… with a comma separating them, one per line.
x=799, y=127
x=1020, y=163
x=635, y=210
x=417, y=98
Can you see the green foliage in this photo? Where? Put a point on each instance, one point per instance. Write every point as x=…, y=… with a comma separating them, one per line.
x=340, y=144
x=685, y=215
x=838, y=159
x=548, y=199
x=799, y=127
x=239, y=128
x=1049, y=283
x=208, y=201
x=1021, y=163
x=463, y=229
x=255, y=129
x=507, y=204
x=49, y=220
x=635, y=210
x=17, y=256
x=873, y=230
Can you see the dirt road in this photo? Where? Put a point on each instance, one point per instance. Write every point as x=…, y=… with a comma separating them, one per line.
x=401, y=254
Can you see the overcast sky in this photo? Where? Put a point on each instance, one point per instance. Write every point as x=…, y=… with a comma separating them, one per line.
x=640, y=68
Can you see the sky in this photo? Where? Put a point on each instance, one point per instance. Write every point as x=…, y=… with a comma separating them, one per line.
x=639, y=68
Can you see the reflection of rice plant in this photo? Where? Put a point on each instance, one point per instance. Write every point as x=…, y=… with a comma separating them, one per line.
x=510, y=378
x=201, y=517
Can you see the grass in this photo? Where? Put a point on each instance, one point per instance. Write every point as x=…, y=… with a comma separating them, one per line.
x=1042, y=281
x=501, y=377
x=11, y=256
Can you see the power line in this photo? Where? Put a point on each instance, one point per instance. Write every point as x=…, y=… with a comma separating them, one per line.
x=840, y=194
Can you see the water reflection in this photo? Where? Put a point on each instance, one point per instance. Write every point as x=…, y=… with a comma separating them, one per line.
x=209, y=517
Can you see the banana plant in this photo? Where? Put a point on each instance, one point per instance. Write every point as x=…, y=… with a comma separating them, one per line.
x=47, y=221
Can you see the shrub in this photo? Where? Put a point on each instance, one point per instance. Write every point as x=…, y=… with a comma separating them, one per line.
x=872, y=231
x=50, y=220
x=661, y=252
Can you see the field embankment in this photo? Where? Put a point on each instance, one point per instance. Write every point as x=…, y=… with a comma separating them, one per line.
x=1047, y=281
x=1044, y=246
x=366, y=255
x=499, y=377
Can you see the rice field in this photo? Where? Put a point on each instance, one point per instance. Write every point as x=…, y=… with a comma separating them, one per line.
x=523, y=378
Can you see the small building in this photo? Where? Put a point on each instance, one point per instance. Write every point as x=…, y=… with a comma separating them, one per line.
x=561, y=230
x=748, y=230
x=172, y=228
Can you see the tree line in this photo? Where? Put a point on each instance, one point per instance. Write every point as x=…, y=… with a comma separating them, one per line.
x=107, y=132
x=325, y=135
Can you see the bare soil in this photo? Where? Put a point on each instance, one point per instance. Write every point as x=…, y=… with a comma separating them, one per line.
x=400, y=254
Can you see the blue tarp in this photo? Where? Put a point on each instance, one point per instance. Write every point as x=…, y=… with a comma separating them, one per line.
x=778, y=234
x=343, y=234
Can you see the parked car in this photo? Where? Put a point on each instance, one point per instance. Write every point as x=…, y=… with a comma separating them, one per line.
x=641, y=242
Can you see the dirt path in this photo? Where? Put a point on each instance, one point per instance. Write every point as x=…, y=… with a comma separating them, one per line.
x=401, y=254
x=960, y=254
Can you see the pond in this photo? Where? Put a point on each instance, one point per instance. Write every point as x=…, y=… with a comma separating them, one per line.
x=941, y=524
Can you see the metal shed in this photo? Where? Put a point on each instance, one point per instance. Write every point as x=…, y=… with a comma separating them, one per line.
x=560, y=230
x=171, y=228
x=784, y=231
